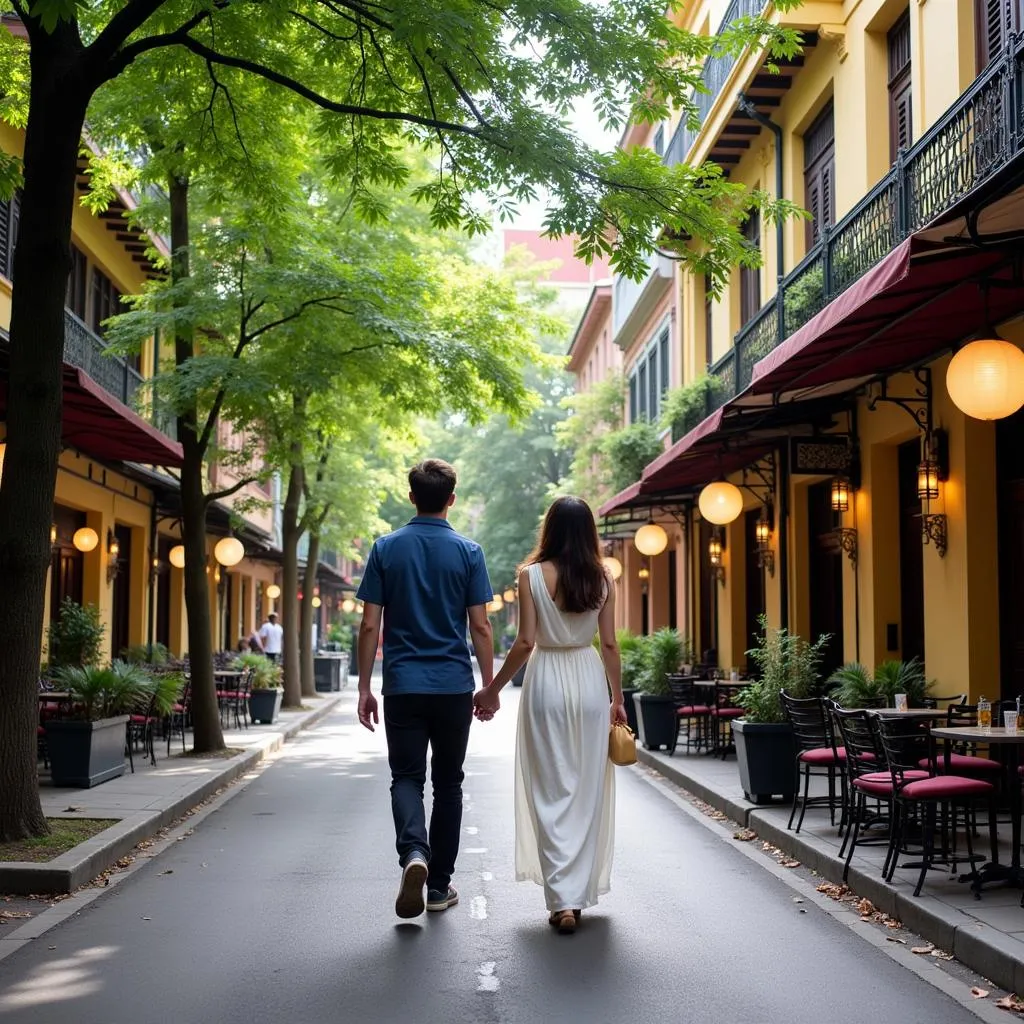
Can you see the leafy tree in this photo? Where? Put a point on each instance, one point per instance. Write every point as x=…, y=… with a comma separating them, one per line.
x=454, y=76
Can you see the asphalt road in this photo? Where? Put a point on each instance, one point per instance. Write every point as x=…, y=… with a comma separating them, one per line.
x=280, y=908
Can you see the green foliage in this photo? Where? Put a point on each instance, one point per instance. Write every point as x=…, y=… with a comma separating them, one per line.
x=166, y=688
x=339, y=633
x=855, y=687
x=145, y=654
x=629, y=451
x=266, y=675
x=661, y=653
x=592, y=416
x=75, y=639
x=106, y=692
x=785, y=661
x=631, y=651
x=683, y=408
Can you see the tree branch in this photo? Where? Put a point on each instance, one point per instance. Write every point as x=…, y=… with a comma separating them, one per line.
x=324, y=302
x=228, y=491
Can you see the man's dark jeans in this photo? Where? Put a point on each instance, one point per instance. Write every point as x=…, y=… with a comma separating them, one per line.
x=412, y=721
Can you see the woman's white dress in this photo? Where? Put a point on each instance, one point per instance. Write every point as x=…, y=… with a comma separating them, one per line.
x=565, y=786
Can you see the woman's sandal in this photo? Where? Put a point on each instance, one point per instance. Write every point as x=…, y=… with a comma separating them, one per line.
x=564, y=920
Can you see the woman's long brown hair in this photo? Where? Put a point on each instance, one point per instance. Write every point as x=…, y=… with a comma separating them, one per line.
x=568, y=538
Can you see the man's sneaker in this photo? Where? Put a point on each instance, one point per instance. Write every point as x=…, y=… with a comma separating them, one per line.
x=410, y=894
x=438, y=899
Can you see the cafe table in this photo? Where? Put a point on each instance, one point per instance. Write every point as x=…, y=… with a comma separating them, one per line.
x=1013, y=740
x=909, y=713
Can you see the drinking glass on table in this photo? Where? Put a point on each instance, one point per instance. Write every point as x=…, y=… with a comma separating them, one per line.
x=1010, y=721
x=901, y=701
x=984, y=714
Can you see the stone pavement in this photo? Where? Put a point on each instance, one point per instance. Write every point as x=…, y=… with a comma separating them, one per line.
x=142, y=803
x=986, y=934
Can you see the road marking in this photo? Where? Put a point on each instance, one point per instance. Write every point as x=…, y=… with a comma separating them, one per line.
x=475, y=849
x=487, y=980
x=472, y=830
x=478, y=908
x=486, y=876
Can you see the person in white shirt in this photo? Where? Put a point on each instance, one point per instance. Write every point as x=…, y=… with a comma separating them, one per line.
x=271, y=636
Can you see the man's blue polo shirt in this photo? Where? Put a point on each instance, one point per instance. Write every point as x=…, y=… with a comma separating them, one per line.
x=426, y=576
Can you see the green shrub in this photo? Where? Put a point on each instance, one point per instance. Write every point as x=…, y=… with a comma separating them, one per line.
x=75, y=639
x=660, y=656
x=265, y=674
x=855, y=687
x=144, y=654
x=683, y=408
x=629, y=450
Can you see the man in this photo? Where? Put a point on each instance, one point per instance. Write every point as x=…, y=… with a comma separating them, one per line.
x=272, y=638
x=424, y=580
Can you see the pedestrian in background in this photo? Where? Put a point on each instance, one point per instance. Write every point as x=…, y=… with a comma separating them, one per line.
x=565, y=788
x=422, y=582
x=272, y=638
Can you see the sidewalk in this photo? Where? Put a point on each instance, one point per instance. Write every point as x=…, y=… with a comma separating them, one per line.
x=987, y=934
x=146, y=801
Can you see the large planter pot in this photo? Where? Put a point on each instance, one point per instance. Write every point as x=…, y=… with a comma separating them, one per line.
x=84, y=754
x=327, y=673
x=657, y=722
x=264, y=705
x=628, y=693
x=766, y=754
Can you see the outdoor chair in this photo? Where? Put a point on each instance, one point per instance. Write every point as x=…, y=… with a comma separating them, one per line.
x=944, y=702
x=140, y=729
x=724, y=711
x=961, y=758
x=903, y=740
x=236, y=701
x=177, y=720
x=692, y=711
x=817, y=755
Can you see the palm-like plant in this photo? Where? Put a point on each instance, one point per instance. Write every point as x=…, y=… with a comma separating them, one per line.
x=660, y=655
x=855, y=687
x=105, y=692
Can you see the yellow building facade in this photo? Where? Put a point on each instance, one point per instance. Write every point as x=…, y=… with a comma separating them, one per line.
x=894, y=129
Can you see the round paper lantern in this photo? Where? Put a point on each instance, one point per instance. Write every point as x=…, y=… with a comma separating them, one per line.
x=985, y=379
x=651, y=540
x=348, y=606
x=509, y=596
x=317, y=602
x=498, y=602
x=85, y=539
x=176, y=556
x=613, y=565
x=273, y=591
x=720, y=503
x=229, y=551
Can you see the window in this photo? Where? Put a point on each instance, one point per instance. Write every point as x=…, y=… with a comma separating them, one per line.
x=659, y=140
x=709, y=316
x=10, y=216
x=750, y=277
x=75, y=297
x=820, y=174
x=901, y=133
x=106, y=300
x=650, y=379
x=995, y=21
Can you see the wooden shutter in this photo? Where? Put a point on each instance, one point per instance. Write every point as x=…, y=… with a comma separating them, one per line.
x=819, y=174
x=995, y=21
x=900, y=80
x=5, y=238
x=663, y=359
x=750, y=277
x=653, y=391
x=634, y=405
x=709, y=341
x=76, y=291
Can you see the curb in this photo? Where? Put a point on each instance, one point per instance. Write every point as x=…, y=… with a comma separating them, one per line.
x=991, y=953
x=64, y=874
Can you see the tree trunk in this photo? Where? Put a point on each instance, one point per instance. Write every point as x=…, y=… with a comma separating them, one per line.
x=291, y=534
x=42, y=262
x=207, y=734
x=306, y=615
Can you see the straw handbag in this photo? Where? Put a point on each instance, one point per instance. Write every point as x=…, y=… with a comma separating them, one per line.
x=621, y=745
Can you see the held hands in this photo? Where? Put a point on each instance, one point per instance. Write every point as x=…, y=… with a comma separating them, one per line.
x=368, y=716
x=486, y=703
x=618, y=713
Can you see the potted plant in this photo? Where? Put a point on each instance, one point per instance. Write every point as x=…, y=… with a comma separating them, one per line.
x=661, y=654
x=855, y=687
x=88, y=747
x=765, y=745
x=266, y=695
x=75, y=638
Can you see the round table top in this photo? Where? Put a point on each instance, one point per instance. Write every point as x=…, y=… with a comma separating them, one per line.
x=909, y=712
x=994, y=734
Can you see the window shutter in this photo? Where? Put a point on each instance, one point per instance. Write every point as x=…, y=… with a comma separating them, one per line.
x=654, y=392
x=819, y=174
x=5, y=238
x=995, y=21
x=12, y=237
x=666, y=369
x=634, y=410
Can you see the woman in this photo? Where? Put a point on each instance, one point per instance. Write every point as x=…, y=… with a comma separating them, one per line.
x=565, y=790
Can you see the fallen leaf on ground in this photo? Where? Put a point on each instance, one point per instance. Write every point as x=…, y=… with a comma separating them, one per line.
x=744, y=835
x=922, y=950
x=979, y=993
x=865, y=907
x=895, y=938
x=10, y=915
x=791, y=863
x=1012, y=1003
x=169, y=871
x=147, y=919
x=941, y=954
x=71, y=810
x=796, y=899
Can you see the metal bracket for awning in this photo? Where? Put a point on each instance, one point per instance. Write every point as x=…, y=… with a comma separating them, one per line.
x=917, y=406
x=763, y=486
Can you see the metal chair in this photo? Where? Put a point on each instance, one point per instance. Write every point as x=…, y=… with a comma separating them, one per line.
x=817, y=755
x=177, y=720
x=692, y=712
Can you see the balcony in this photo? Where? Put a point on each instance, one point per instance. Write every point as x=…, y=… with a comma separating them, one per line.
x=633, y=301
x=978, y=136
x=86, y=350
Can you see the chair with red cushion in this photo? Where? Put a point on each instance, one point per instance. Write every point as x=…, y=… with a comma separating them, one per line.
x=692, y=711
x=961, y=758
x=724, y=711
x=903, y=741
x=817, y=755
x=177, y=720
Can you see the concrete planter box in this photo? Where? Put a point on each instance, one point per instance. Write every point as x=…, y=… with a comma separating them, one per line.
x=765, y=753
x=327, y=672
x=657, y=722
x=84, y=754
x=264, y=705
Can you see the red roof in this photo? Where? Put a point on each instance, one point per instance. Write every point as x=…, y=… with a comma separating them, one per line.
x=570, y=270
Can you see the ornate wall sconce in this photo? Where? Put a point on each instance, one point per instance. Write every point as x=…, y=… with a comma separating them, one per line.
x=840, y=494
x=847, y=538
x=113, y=554
x=715, y=549
x=763, y=535
x=933, y=531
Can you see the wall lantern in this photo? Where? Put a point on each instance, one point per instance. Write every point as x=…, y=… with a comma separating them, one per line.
x=763, y=536
x=715, y=549
x=613, y=565
x=840, y=494
x=651, y=540
x=86, y=539
x=643, y=573
x=985, y=379
x=229, y=551
x=348, y=606
x=720, y=503
x=509, y=596
x=273, y=591
x=113, y=554
x=53, y=534
x=176, y=556
x=359, y=607
x=927, y=479
x=317, y=602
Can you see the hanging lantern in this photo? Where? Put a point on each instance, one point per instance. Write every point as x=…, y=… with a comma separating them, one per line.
x=651, y=540
x=509, y=596
x=348, y=606
x=613, y=565
x=927, y=479
x=176, y=556
x=643, y=573
x=86, y=539
x=840, y=494
x=720, y=503
x=763, y=531
x=317, y=602
x=497, y=600
x=53, y=534
x=985, y=379
x=273, y=591
x=229, y=551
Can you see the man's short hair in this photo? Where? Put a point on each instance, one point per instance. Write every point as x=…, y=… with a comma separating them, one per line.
x=431, y=483
x=272, y=615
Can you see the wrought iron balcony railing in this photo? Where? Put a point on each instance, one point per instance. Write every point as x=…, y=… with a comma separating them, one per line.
x=714, y=75
x=979, y=134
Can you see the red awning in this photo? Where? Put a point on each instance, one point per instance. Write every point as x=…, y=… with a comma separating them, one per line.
x=621, y=501
x=98, y=425
x=922, y=298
